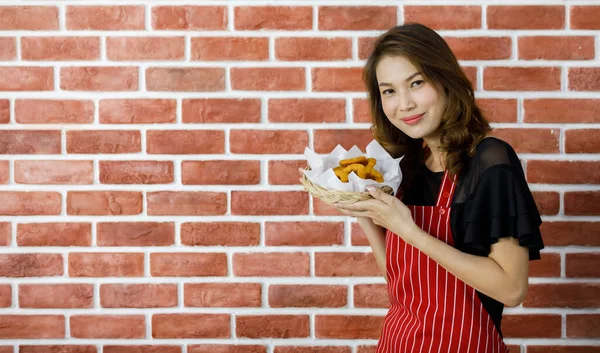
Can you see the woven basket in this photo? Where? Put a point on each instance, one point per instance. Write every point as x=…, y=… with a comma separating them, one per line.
x=336, y=196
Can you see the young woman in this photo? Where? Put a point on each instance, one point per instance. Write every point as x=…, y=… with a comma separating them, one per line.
x=454, y=244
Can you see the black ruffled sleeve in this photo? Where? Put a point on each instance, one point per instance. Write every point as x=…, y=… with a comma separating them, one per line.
x=501, y=206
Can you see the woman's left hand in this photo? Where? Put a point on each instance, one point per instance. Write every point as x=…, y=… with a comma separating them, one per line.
x=386, y=211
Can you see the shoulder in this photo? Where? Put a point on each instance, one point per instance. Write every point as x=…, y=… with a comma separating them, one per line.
x=492, y=151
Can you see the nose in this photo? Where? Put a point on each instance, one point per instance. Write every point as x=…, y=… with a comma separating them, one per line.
x=405, y=103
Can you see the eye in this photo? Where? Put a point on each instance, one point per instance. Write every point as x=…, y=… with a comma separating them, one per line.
x=417, y=83
x=387, y=91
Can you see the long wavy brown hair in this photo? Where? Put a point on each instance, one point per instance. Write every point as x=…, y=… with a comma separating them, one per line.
x=463, y=125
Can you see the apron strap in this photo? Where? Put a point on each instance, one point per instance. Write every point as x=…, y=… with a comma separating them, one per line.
x=446, y=190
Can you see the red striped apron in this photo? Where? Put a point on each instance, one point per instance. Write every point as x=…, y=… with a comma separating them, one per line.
x=431, y=310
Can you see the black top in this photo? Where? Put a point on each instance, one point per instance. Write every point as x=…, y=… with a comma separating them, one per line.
x=491, y=201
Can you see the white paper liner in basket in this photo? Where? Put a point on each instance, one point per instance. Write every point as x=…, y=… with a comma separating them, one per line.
x=321, y=182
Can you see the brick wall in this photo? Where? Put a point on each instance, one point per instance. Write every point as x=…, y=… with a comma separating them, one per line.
x=149, y=199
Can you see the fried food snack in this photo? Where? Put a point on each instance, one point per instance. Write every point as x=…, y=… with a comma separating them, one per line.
x=362, y=166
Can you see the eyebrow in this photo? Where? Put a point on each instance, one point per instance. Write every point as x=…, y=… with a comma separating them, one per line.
x=408, y=79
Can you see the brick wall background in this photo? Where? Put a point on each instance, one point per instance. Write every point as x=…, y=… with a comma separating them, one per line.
x=149, y=154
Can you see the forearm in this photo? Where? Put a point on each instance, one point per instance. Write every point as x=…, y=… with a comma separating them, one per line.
x=482, y=273
x=376, y=237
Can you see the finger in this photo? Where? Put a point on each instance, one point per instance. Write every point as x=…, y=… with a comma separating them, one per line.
x=354, y=213
x=369, y=205
x=378, y=194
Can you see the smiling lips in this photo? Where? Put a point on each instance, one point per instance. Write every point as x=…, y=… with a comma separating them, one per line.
x=413, y=119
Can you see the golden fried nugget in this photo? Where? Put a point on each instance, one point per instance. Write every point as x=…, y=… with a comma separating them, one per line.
x=361, y=160
x=375, y=175
x=341, y=173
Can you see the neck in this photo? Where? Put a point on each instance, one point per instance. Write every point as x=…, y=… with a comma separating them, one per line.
x=435, y=160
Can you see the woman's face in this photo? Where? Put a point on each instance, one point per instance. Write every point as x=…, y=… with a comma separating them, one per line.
x=409, y=101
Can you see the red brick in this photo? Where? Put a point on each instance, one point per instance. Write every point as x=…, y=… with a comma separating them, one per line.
x=105, y=78
x=145, y=48
x=582, y=265
x=530, y=140
x=124, y=295
x=180, y=203
x=547, y=266
x=34, y=203
x=45, y=111
x=353, y=18
x=226, y=295
x=346, y=264
x=561, y=110
x=272, y=326
x=290, y=18
x=191, y=326
x=563, y=295
x=348, y=326
x=4, y=172
x=256, y=203
x=173, y=79
x=68, y=348
x=103, y=141
x=221, y=110
x=28, y=18
x=271, y=264
x=312, y=349
x=307, y=110
x=105, y=17
x=584, y=78
x=108, y=326
x=188, y=264
x=532, y=326
x=5, y=233
x=307, y=296
x=571, y=233
x=5, y=296
x=480, y=48
x=220, y=234
x=304, y=233
x=359, y=238
x=471, y=73
x=26, y=78
x=31, y=265
x=268, y=79
x=563, y=172
x=30, y=142
x=103, y=203
x=230, y=48
x=56, y=295
x=582, y=141
x=321, y=208
x=585, y=17
x=154, y=348
x=4, y=111
x=209, y=18
x=521, y=78
x=136, y=172
x=526, y=17
x=337, y=79
x=268, y=141
x=137, y=111
x=367, y=349
x=185, y=141
x=136, y=233
x=361, y=111
x=326, y=140
x=227, y=172
x=60, y=48
x=8, y=48
x=32, y=326
x=285, y=172
x=54, y=172
x=498, y=110
x=547, y=202
x=223, y=348
x=444, y=17
x=583, y=325
x=106, y=264
x=582, y=203
x=54, y=234
x=313, y=49
x=556, y=48
x=371, y=296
